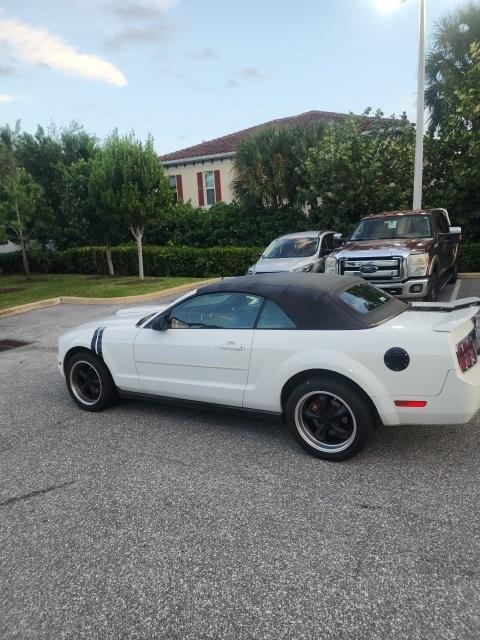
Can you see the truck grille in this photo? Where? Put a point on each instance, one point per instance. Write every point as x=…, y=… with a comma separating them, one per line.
x=381, y=268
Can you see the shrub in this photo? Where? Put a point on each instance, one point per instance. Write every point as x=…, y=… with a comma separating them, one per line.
x=469, y=257
x=224, y=225
x=168, y=260
x=158, y=261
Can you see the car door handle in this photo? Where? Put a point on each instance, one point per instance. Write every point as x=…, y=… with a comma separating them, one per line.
x=233, y=346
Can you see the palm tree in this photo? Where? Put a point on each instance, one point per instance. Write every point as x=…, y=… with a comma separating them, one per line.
x=449, y=59
x=266, y=166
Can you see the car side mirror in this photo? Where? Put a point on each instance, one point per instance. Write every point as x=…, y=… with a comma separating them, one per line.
x=338, y=240
x=455, y=234
x=160, y=323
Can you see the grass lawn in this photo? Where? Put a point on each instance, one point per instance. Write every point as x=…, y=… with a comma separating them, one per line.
x=15, y=290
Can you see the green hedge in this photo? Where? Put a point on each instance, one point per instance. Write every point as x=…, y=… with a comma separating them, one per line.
x=158, y=261
x=168, y=261
x=469, y=257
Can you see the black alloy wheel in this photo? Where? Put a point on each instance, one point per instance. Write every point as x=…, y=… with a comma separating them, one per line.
x=89, y=381
x=330, y=419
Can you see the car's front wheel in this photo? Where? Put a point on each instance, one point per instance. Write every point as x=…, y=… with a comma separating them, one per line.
x=89, y=382
x=329, y=418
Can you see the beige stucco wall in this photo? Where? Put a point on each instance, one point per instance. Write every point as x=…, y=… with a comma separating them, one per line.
x=189, y=171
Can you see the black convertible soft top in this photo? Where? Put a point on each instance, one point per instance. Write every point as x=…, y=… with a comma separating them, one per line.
x=312, y=300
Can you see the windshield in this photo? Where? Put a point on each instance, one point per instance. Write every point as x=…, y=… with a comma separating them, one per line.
x=413, y=226
x=291, y=248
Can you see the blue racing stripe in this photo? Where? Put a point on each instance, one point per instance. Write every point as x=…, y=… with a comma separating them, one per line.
x=94, y=340
x=99, y=342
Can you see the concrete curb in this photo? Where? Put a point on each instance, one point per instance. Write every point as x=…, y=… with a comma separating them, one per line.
x=144, y=297
x=469, y=276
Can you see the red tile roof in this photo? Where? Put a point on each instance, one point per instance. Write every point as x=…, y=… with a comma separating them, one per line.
x=227, y=144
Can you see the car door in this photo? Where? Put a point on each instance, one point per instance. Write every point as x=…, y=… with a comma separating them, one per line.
x=204, y=353
x=326, y=247
x=445, y=249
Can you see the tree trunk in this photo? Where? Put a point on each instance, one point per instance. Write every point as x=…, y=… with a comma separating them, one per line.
x=111, y=270
x=26, y=263
x=23, y=244
x=137, y=233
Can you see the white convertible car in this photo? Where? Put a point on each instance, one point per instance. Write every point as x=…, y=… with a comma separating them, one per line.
x=332, y=354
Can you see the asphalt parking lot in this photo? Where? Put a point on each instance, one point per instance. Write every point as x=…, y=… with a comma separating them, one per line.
x=149, y=521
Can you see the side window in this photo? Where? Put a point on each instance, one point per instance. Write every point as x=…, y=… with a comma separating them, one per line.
x=327, y=243
x=442, y=225
x=272, y=317
x=216, y=311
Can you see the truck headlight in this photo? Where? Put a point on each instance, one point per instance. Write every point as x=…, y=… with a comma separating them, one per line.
x=331, y=264
x=304, y=267
x=417, y=265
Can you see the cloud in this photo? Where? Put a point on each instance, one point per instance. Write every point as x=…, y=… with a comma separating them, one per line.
x=248, y=73
x=37, y=46
x=155, y=35
x=7, y=71
x=231, y=84
x=204, y=55
x=4, y=97
x=251, y=73
x=141, y=10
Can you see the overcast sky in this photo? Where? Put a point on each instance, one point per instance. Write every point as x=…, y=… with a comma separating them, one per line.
x=191, y=70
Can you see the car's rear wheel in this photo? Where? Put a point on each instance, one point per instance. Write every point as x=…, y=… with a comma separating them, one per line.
x=329, y=418
x=89, y=382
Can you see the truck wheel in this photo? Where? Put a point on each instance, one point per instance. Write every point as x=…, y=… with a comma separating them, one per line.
x=454, y=272
x=329, y=419
x=432, y=294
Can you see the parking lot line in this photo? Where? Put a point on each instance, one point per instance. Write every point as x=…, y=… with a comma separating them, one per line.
x=455, y=291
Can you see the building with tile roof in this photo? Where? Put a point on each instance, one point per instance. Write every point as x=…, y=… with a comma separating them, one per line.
x=203, y=173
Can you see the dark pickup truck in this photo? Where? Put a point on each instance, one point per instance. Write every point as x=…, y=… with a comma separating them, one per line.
x=409, y=254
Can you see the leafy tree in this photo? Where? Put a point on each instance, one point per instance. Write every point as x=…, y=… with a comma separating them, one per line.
x=86, y=224
x=266, y=165
x=23, y=214
x=20, y=205
x=449, y=60
x=351, y=172
x=128, y=183
x=45, y=155
x=77, y=144
x=453, y=158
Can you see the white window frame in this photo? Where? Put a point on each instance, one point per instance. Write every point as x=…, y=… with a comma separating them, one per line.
x=173, y=189
x=205, y=189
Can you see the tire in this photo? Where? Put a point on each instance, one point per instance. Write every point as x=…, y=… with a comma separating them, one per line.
x=336, y=440
x=89, y=382
x=432, y=294
x=454, y=273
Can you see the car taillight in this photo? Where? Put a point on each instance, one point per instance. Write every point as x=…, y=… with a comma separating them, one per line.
x=466, y=353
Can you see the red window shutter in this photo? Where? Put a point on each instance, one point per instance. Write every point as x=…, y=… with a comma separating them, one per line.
x=201, y=198
x=179, y=189
x=218, y=186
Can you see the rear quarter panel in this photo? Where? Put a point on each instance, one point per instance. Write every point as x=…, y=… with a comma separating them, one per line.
x=357, y=355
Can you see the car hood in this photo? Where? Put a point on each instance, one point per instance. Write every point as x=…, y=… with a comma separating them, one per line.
x=124, y=317
x=271, y=265
x=389, y=247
